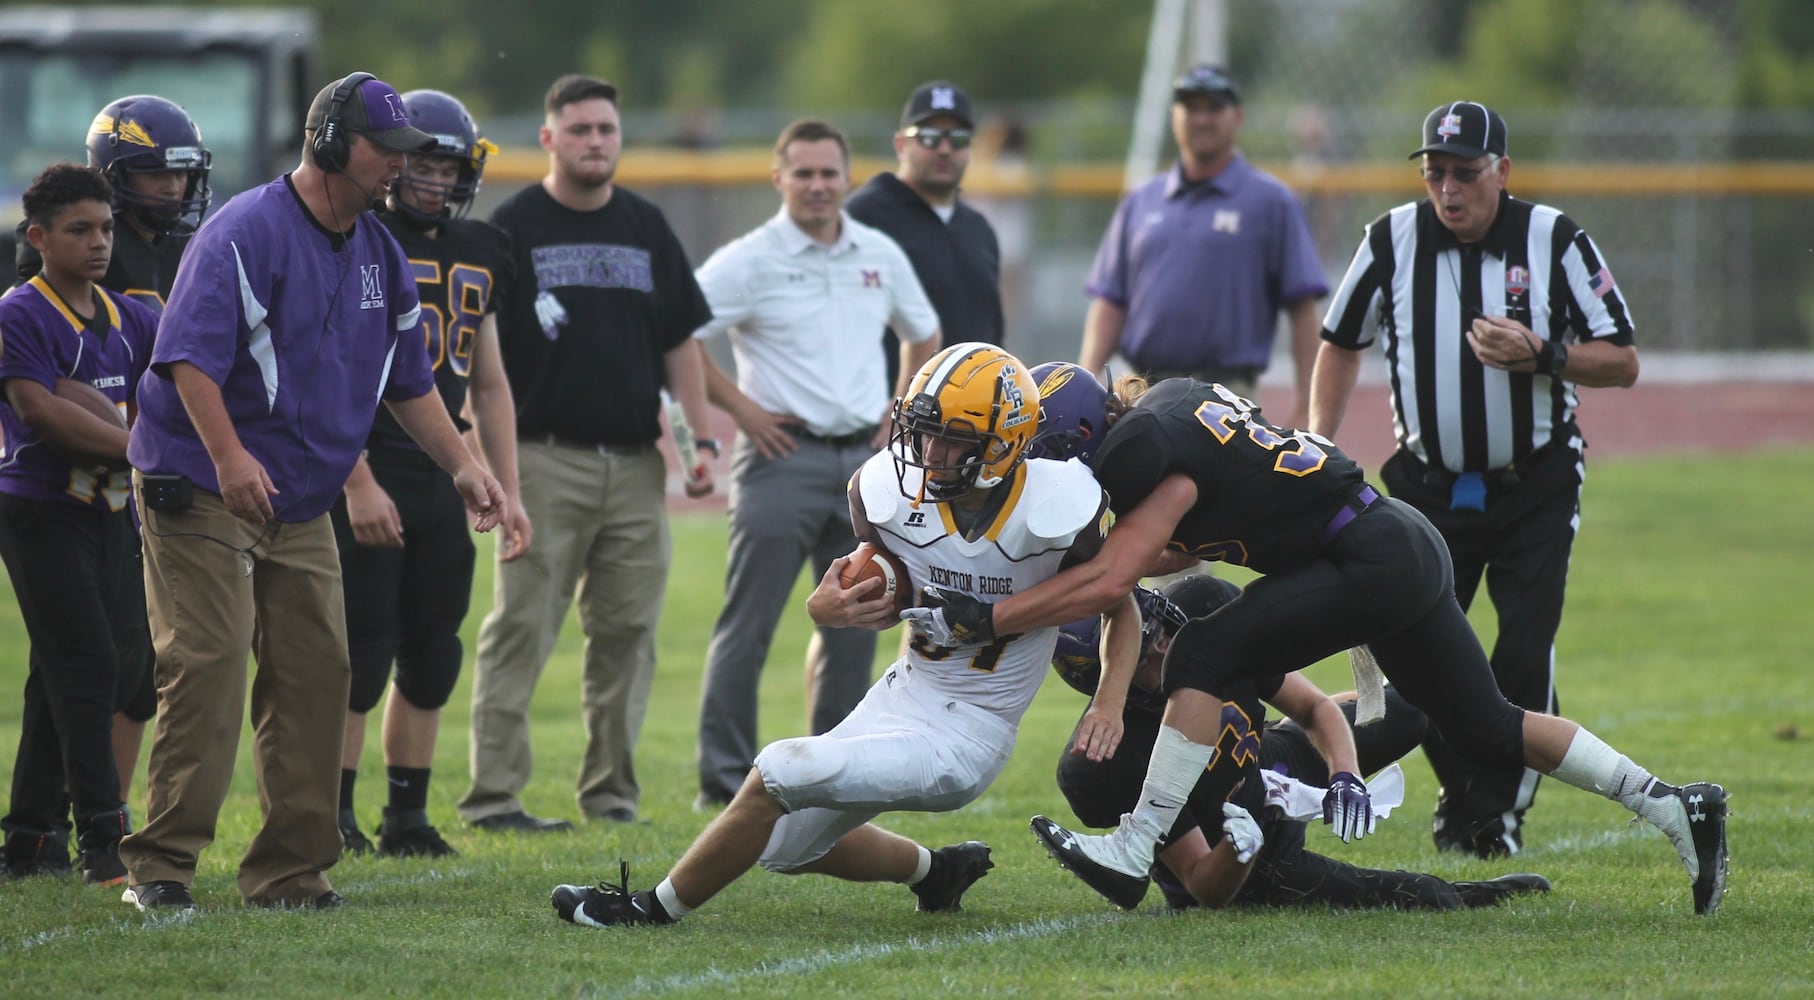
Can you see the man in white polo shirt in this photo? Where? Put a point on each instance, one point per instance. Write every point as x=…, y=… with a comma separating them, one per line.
x=806, y=298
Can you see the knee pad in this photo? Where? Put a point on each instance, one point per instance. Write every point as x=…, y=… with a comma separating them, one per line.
x=1494, y=742
x=1197, y=661
x=141, y=705
x=426, y=674
x=371, y=672
x=793, y=770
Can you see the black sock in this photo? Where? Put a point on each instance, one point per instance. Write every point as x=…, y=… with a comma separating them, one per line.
x=409, y=787
x=347, y=777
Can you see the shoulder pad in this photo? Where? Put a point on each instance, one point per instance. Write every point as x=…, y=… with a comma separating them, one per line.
x=876, y=485
x=1063, y=498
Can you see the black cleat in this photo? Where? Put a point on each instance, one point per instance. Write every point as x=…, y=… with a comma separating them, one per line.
x=160, y=895
x=1120, y=888
x=1705, y=803
x=604, y=904
x=1494, y=891
x=352, y=839
x=405, y=833
x=521, y=822
x=954, y=869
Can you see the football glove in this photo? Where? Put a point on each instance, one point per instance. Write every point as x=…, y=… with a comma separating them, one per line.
x=1243, y=833
x=948, y=618
x=1347, y=808
x=550, y=314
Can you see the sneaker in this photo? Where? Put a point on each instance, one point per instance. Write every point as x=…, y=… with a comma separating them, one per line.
x=29, y=853
x=954, y=869
x=521, y=822
x=1488, y=840
x=405, y=833
x=352, y=839
x=159, y=895
x=1494, y=891
x=605, y=904
x=1079, y=856
x=1694, y=818
x=99, y=841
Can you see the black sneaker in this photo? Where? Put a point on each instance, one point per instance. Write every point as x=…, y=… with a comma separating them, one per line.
x=1705, y=804
x=352, y=839
x=605, y=904
x=954, y=869
x=1494, y=891
x=99, y=840
x=29, y=853
x=1120, y=888
x=405, y=833
x=521, y=822
x=159, y=895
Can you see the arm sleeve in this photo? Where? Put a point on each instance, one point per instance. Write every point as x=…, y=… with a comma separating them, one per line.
x=25, y=352
x=225, y=286
x=1349, y=322
x=910, y=314
x=1108, y=275
x=1300, y=269
x=1598, y=308
x=410, y=374
x=724, y=283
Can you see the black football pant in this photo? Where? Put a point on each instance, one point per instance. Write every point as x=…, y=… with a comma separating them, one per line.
x=406, y=605
x=1520, y=544
x=71, y=568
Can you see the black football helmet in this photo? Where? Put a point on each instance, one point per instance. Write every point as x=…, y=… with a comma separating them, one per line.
x=146, y=134
x=1162, y=613
x=456, y=135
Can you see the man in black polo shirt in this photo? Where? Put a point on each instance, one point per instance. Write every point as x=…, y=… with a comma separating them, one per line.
x=952, y=247
x=1492, y=312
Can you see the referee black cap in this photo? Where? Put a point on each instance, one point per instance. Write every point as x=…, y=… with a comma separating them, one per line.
x=1467, y=129
x=1206, y=79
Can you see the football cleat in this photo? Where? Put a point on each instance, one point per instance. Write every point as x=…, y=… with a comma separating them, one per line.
x=1494, y=891
x=954, y=869
x=1074, y=854
x=352, y=839
x=604, y=904
x=1694, y=819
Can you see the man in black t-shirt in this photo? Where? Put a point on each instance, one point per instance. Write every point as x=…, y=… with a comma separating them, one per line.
x=600, y=321
x=406, y=554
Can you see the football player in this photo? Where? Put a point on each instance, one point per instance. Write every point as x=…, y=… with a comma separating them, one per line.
x=405, y=551
x=1240, y=804
x=1194, y=467
x=954, y=497
x=64, y=532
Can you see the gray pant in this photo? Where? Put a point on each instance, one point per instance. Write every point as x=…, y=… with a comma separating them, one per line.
x=783, y=512
x=601, y=526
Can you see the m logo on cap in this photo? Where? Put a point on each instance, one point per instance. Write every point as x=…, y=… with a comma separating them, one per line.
x=1450, y=127
x=944, y=98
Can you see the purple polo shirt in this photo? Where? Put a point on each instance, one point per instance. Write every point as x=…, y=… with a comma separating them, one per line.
x=42, y=340
x=301, y=331
x=1203, y=270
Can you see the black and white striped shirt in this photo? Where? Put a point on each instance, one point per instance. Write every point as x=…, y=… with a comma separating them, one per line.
x=1415, y=288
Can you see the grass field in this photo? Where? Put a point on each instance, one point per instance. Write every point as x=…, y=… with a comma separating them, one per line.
x=1686, y=645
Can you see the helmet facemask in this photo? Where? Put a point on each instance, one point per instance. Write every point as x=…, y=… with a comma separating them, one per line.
x=980, y=404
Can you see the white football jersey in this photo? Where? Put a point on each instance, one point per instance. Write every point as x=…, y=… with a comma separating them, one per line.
x=1049, y=506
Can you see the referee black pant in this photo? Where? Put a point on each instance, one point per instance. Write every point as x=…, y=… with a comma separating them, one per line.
x=1520, y=545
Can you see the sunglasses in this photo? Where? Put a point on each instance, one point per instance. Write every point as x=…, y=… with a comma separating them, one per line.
x=930, y=137
x=1462, y=175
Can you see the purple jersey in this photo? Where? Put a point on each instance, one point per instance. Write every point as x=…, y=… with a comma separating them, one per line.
x=1203, y=270
x=42, y=340
x=302, y=331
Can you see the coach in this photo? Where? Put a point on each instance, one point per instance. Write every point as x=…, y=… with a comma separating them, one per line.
x=1491, y=312
x=952, y=247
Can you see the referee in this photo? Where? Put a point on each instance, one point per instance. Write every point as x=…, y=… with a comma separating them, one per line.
x=1491, y=311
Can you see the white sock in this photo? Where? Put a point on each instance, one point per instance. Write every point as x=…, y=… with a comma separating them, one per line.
x=1176, y=765
x=664, y=894
x=922, y=868
x=1596, y=767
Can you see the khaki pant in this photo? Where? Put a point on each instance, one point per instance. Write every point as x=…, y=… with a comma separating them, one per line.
x=601, y=526
x=209, y=606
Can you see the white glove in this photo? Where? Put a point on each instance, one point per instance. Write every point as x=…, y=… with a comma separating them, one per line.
x=1243, y=833
x=550, y=314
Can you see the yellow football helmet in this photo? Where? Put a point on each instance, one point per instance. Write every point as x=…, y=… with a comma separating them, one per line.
x=966, y=420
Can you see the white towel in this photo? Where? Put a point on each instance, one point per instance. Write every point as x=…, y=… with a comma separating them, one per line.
x=1304, y=803
x=1369, y=686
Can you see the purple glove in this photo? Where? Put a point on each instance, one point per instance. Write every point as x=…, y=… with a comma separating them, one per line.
x=1347, y=807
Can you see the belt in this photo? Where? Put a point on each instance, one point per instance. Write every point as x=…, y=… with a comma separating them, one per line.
x=850, y=440
x=597, y=447
x=1441, y=480
x=1351, y=509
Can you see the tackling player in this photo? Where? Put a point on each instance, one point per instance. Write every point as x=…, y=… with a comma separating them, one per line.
x=1192, y=466
x=405, y=551
x=64, y=531
x=956, y=499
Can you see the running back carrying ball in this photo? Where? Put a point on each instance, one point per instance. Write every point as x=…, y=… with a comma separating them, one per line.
x=91, y=399
x=868, y=562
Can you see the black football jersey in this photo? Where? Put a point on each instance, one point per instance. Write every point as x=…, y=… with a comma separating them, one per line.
x=461, y=274
x=141, y=269
x=1264, y=494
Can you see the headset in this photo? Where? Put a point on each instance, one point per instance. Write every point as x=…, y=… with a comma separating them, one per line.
x=329, y=147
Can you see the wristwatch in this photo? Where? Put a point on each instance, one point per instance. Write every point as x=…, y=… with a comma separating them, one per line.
x=1553, y=357
x=708, y=443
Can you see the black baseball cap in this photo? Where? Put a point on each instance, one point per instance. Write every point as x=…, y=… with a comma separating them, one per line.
x=1206, y=79
x=939, y=97
x=1467, y=129
x=375, y=109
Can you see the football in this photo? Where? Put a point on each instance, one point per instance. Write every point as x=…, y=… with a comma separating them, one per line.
x=96, y=402
x=869, y=561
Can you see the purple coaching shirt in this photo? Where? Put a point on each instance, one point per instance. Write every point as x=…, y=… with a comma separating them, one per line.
x=1203, y=270
x=304, y=339
x=42, y=340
